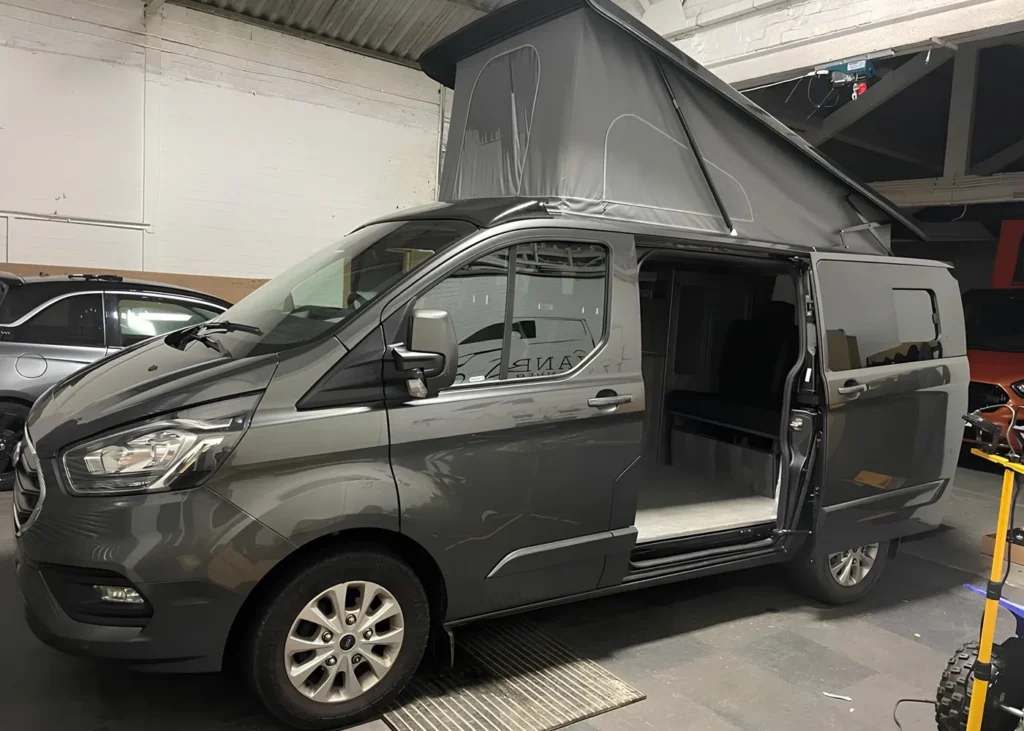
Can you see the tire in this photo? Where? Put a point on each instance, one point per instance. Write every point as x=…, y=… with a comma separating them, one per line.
x=12, y=424
x=813, y=575
x=953, y=698
x=264, y=653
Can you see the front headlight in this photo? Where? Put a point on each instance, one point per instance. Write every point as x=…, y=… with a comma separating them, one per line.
x=171, y=453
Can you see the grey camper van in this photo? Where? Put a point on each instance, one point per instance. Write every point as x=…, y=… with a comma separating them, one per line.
x=707, y=359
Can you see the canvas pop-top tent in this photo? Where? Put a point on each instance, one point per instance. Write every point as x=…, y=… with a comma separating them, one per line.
x=575, y=101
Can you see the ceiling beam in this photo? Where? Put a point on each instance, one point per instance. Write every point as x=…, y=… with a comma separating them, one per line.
x=960, y=128
x=956, y=231
x=886, y=88
x=887, y=151
x=998, y=161
x=1010, y=39
x=806, y=127
x=966, y=190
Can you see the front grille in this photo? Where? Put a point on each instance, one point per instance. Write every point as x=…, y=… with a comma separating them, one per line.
x=985, y=395
x=29, y=486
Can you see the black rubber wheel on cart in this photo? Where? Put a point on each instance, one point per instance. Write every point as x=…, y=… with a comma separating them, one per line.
x=953, y=698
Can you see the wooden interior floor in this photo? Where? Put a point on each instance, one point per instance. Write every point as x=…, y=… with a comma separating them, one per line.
x=672, y=505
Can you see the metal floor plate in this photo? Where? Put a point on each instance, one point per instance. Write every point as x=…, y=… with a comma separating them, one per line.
x=509, y=676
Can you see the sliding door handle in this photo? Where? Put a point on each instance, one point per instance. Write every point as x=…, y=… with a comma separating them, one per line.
x=852, y=388
x=602, y=401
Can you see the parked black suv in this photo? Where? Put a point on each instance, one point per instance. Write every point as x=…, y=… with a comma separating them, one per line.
x=50, y=326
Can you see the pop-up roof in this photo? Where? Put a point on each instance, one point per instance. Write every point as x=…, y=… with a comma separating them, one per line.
x=575, y=101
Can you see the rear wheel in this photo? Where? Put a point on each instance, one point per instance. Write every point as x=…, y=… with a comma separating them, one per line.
x=12, y=429
x=841, y=577
x=338, y=640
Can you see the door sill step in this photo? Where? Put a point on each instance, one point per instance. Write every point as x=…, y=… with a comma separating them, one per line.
x=690, y=548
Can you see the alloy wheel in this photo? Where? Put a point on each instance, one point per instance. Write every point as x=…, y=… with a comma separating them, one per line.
x=344, y=642
x=849, y=568
x=11, y=428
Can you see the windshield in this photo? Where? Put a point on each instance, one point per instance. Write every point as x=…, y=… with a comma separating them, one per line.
x=318, y=294
x=995, y=320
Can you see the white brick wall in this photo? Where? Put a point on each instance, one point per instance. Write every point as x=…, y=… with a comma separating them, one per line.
x=744, y=40
x=222, y=148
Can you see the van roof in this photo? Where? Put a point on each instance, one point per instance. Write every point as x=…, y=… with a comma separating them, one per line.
x=441, y=60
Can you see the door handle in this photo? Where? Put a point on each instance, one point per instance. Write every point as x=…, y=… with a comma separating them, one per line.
x=603, y=402
x=853, y=389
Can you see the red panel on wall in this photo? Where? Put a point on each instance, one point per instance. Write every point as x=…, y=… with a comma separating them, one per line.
x=1009, y=265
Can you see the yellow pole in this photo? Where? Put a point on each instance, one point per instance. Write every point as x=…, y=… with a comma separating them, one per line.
x=988, y=622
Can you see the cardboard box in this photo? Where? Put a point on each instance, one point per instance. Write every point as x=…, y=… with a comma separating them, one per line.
x=1016, y=552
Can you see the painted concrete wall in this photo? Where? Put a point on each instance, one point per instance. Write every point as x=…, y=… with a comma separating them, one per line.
x=747, y=40
x=202, y=145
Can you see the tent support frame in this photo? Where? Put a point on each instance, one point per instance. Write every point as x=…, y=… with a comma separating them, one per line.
x=693, y=146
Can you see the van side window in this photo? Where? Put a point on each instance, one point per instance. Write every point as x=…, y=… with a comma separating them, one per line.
x=872, y=321
x=474, y=297
x=557, y=317
x=558, y=308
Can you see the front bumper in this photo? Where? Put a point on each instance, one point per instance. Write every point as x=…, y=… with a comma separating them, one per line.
x=185, y=634
x=193, y=556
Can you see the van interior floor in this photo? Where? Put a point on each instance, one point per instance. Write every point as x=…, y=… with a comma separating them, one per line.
x=708, y=507
x=720, y=340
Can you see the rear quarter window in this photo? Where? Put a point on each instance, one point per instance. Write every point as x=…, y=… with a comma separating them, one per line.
x=879, y=314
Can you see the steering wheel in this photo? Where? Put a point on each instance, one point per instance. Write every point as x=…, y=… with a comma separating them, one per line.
x=357, y=299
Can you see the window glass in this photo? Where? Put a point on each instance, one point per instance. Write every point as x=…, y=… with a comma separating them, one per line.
x=142, y=318
x=558, y=313
x=915, y=315
x=320, y=293
x=76, y=320
x=871, y=321
x=474, y=298
x=559, y=307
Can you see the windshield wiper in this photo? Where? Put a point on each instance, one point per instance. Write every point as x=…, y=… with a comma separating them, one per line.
x=202, y=330
x=225, y=326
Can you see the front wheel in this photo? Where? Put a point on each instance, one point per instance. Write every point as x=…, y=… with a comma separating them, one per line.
x=12, y=427
x=841, y=577
x=339, y=640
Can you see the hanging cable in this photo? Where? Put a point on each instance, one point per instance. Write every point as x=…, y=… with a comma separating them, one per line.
x=896, y=708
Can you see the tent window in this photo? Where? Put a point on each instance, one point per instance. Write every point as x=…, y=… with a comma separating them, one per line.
x=646, y=166
x=498, y=125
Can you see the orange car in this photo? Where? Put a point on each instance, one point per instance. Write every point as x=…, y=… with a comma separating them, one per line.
x=995, y=349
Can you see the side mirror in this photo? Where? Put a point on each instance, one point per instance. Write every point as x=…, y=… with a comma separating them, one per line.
x=431, y=360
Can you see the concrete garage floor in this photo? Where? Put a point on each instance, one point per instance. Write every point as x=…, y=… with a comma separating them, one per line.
x=734, y=652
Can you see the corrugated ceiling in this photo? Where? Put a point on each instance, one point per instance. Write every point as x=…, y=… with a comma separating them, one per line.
x=397, y=29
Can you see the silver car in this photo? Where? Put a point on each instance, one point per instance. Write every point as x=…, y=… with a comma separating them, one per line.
x=51, y=326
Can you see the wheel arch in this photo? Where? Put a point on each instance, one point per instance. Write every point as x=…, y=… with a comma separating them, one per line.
x=16, y=397
x=404, y=547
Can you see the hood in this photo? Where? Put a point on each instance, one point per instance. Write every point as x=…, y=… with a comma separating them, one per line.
x=993, y=366
x=147, y=380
